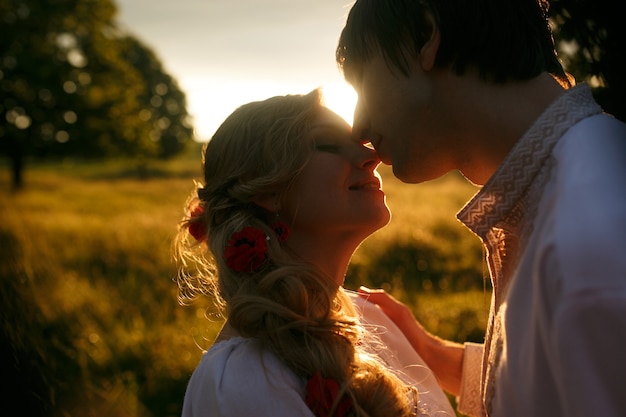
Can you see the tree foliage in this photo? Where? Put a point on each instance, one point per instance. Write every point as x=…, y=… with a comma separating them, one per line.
x=590, y=39
x=73, y=83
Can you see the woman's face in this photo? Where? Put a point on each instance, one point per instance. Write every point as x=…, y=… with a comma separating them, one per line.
x=338, y=193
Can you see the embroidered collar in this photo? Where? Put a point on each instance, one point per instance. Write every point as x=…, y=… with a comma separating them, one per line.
x=494, y=202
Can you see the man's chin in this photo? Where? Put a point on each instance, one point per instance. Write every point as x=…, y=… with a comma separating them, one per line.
x=410, y=175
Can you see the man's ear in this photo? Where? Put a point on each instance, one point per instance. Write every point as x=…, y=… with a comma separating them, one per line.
x=267, y=201
x=428, y=53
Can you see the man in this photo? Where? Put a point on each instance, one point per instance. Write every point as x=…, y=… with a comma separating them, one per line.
x=477, y=87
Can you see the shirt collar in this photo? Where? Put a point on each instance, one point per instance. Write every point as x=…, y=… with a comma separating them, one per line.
x=493, y=203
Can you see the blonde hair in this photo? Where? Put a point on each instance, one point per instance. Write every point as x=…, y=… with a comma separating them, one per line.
x=297, y=312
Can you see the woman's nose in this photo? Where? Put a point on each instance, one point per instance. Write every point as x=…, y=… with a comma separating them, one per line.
x=367, y=158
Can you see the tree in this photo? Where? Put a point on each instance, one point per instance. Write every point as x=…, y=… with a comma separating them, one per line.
x=590, y=39
x=163, y=100
x=73, y=83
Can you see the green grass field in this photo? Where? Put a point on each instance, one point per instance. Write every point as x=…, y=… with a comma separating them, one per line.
x=91, y=322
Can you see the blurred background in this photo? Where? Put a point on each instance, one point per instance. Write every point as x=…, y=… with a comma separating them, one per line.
x=104, y=106
x=225, y=53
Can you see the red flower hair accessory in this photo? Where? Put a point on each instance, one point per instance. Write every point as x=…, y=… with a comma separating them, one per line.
x=321, y=395
x=282, y=230
x=197, y=225
x=246, y=250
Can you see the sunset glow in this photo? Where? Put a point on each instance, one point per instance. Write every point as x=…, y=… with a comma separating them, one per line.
x=210, y=101
x=224, y=54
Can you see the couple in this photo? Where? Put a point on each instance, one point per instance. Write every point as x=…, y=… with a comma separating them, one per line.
x=290, y=191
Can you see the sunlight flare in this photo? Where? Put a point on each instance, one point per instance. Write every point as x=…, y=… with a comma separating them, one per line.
x=210, y=101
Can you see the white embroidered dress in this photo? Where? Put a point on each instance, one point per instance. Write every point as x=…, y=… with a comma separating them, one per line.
x=237, y=377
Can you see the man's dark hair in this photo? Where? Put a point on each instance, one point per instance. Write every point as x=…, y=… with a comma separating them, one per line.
x=502, y=40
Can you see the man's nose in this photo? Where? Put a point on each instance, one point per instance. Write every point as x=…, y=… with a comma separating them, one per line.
x=360, y=123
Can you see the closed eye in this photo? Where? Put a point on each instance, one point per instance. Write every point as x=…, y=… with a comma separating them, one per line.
x=327, y=147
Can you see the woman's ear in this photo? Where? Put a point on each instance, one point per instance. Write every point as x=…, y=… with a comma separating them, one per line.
x=428, y=53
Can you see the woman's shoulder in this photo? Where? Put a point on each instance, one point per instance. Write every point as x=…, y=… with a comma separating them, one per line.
x=239, y=377
x=242, y=359
x=388, y=342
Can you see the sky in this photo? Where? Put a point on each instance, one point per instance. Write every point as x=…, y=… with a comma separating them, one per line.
x=224, y=53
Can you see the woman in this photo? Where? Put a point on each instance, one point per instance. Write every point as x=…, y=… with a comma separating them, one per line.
x=286, y=200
